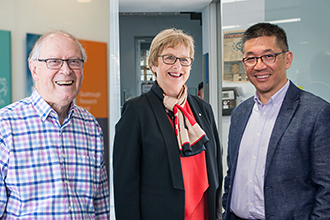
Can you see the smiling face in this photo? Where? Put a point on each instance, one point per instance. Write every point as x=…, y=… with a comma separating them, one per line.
x=57, y=87
x=171, y=78
x=267, y=78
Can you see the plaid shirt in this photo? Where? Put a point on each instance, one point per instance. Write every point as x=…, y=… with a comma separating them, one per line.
x=49, y=171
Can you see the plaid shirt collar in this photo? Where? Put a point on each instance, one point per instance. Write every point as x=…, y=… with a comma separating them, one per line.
x=43, y=109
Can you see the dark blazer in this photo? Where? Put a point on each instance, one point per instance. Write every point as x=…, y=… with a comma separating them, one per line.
x=148, y=182
x=297, y=171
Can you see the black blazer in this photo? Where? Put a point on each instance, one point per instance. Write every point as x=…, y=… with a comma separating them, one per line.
x=148, y=182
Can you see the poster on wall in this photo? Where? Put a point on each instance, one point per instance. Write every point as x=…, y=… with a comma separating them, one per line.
x=233, y=67
x=93, y=95
x=5, y=68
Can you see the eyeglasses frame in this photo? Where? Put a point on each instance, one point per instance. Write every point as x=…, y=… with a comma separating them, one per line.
x=275, y=54
x=67, y=61
x=176, y=58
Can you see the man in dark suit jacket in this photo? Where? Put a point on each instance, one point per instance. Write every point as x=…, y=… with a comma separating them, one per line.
x=279, y=140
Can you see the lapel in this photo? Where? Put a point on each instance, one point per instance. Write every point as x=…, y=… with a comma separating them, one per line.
x=171, y=144
x=289, y=106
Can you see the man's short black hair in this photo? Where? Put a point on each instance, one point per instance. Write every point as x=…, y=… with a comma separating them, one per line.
x=266, y=29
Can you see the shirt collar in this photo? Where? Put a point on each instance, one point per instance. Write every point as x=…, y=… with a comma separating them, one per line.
x=276, y=99
x=43, y=109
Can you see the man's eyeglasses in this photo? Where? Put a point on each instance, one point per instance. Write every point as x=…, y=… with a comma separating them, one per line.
x=266, y=59
x=170, y=60
x=55, y=64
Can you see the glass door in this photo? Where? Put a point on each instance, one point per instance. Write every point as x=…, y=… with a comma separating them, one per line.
x=144, y=74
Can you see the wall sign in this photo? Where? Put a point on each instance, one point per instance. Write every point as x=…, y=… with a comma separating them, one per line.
x=5, y=68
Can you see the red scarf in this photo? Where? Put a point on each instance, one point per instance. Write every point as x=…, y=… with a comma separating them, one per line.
x=191, y=137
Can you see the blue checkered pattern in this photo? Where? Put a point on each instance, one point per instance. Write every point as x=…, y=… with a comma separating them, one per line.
x=49, y=171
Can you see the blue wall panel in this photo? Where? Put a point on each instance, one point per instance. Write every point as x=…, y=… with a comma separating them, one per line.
x=5, y=68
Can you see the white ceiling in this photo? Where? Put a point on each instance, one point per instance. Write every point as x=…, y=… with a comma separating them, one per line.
x=162, y=5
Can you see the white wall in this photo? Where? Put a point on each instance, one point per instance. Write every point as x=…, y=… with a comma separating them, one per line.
x=205, y=29
x=114, y=88
x=211, y=47
x=88, y=21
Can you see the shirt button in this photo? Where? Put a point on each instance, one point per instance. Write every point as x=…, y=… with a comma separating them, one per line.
x=258, y=134
x=70, y=208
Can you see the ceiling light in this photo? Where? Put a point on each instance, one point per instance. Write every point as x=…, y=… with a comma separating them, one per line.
x=231, y=26
x=84, y=1
x=231, y=1
x=285, y=20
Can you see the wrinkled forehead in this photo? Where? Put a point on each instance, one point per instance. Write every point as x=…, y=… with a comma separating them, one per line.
x=59, y=43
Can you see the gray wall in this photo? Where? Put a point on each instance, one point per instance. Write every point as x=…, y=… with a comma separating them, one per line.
x=131, y=27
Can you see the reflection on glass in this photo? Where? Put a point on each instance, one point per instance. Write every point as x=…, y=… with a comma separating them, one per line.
x=146, y=75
